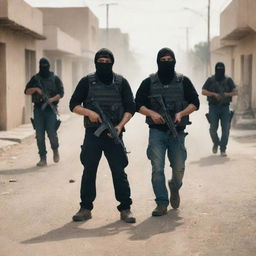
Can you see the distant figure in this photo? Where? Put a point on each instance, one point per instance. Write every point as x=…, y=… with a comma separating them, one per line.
x=166, y=98
x=46, y=90
x=219, y=90
x=106, y=101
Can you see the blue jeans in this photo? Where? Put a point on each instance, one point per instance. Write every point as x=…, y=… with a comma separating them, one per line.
x=219, y=113
x=45, y=121
x=159, y=143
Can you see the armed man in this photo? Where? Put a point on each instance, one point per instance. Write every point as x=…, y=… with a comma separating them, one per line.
x=106, y=101
x=219, y=90
x=166, y=98
x=46, y=90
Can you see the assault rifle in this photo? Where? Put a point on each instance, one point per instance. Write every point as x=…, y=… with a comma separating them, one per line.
x=108, y=125
x=164, y=113
x=45, y=100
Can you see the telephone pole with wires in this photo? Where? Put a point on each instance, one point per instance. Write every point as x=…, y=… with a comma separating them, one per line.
x=107, y=20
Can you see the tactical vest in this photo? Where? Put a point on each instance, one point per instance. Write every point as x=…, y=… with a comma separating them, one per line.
x=48, y=87
x=173, y=95
x=220, y=88
x=108, y=97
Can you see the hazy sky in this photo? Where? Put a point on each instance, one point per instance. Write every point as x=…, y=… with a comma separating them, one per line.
x=152, y=24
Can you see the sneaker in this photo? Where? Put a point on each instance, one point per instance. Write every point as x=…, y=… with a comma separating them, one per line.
x=223, y=153
x=159, y=210
x=215, y=148
x=127, y=216
x=175, y=197
x=56, y=156
x=82, y=214
x=42, y=162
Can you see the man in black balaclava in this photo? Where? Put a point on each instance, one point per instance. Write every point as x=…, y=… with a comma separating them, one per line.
x=46, y=90
x=180, y=99
x=113, y=94
x=219, y=90
x=44, y=68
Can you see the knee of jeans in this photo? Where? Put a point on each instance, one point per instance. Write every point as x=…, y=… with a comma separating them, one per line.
x=157, y=175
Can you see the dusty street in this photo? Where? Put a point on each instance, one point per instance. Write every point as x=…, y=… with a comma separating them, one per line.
x=217, y=215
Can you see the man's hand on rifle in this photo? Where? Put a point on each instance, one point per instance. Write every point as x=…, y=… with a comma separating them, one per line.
x=217, y=96
x=178, y=117
x=118, y=131
x=38, y=90
x=157, y=118
x=94, y=117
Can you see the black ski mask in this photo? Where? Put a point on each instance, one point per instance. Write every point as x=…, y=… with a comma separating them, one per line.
x=44, y=68
x=166, y=69
x=104, y=70
x=219, y=71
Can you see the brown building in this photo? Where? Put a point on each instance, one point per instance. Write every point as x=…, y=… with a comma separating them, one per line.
x=21, y=26
x=236, y=47
x=67, y=36
x=71, y=44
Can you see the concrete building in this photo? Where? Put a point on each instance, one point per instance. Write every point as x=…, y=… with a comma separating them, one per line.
x=27, y=34
x=21, y=26
x=71, y=44
x=236, y=47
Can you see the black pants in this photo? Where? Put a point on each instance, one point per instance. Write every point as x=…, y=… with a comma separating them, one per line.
x=90, y=156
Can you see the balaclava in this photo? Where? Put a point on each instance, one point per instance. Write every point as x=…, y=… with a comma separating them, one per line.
x=166, y=68
x=104, y=70
x=219, y=71
x=44, y=67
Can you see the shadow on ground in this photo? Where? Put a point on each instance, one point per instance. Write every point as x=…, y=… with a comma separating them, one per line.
x=22, y=170
x=144, y=230
x=211, y=160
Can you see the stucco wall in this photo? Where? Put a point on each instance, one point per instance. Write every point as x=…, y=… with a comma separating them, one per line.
x=16, y=43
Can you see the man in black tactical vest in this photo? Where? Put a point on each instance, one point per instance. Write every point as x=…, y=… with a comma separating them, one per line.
x=46, y=90
x=104, y=98
x=219, y=90
x=166, y=98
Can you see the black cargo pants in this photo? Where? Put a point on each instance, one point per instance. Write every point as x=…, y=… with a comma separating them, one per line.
x=90, y=156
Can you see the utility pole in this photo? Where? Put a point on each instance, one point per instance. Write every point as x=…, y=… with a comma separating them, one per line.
x=209, y=38
x=187, y=37
x=107, y=21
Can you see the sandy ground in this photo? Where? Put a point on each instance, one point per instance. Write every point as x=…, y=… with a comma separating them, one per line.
x=217, y=215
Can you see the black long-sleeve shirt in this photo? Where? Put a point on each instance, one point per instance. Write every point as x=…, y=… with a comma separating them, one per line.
x=81, y=92
x=33, y=83
x=143, y=92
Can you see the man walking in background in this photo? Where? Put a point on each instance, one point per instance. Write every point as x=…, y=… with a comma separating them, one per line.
x=46, y=90
x=219, y=90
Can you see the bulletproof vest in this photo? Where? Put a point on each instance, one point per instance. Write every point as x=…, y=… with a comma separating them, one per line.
x=219, y=87
x=172, y=94
x=48, y=87
x=108, y=97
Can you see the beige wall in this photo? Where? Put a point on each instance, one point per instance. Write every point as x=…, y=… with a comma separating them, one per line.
x=22, y=14
x=16, y=43
x=67, y=75
x=238, y=19
x=58, y=40
x=80, y=23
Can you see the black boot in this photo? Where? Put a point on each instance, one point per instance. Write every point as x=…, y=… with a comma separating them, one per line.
x=42, y=161
x=56, y=155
